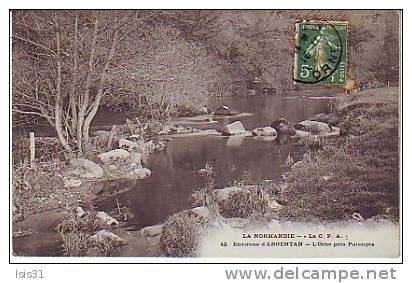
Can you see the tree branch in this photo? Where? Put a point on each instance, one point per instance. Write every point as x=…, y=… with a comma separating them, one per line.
x=34, y=43
x=32, y=113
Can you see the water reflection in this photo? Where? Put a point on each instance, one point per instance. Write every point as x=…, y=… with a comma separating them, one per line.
x=174, y=170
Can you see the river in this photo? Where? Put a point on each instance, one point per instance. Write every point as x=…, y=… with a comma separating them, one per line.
x=174, y=170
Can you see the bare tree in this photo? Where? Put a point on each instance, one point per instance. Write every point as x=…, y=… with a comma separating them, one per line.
x=60, y=64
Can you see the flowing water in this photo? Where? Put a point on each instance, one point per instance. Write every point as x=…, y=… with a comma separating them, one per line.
x=174, y=170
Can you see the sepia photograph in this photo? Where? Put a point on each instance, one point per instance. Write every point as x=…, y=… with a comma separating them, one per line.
x=205, y=134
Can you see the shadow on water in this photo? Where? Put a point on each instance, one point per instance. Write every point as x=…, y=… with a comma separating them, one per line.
x=174, y=170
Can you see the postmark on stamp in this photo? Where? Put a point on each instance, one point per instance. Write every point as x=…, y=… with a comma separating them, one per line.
x=320, y=52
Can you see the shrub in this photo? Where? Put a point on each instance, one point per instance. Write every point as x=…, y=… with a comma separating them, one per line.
x=250, y=203
x=72, y=223
x=181, y=234
x=75, y=244
x=203, y=197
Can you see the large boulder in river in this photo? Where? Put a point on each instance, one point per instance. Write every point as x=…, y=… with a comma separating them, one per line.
x=265, y=132
x=84, y=169
x=225, y=111
x=320, y=128
x=152, y=231
x=283, y=126
x=113, y=155
x=184, y=130
x=315, y=127
x=120, y=163
x=235, y=128
x=106, y=220
x=70, y=183
x=201, y=211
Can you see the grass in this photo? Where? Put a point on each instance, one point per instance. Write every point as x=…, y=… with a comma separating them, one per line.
x=39, y=188
x=356, y=173
x=34, y=189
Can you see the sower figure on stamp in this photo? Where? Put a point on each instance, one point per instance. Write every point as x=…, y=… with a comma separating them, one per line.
x=318, y=49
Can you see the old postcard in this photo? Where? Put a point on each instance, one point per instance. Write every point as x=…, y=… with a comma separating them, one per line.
x=206, y=134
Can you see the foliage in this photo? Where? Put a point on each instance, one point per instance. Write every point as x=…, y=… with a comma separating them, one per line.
x=85, y=224
x=75, y=244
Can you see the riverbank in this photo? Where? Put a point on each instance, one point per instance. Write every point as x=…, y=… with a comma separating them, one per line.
x=356, y=173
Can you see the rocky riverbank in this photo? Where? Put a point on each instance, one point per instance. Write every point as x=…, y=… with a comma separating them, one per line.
x=348, y=172
x=356, y=173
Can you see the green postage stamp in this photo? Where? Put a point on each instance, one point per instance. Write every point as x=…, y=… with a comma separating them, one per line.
x=320, y=54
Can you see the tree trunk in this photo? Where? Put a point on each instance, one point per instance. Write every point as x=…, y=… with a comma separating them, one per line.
x=58, y=101
x=86, y=96
x=100, y=90
x=72, y=96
